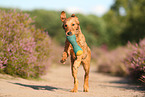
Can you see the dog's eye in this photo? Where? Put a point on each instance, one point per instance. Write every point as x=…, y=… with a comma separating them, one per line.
x=65, y=25
x=73, y=24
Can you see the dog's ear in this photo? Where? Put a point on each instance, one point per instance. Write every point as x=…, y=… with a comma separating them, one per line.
x=73, y=15
x=77, y=21
x=63, y=16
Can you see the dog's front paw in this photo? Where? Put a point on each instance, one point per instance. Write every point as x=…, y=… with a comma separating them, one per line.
x=74, y=90
x=63, y=61
x=86, y=89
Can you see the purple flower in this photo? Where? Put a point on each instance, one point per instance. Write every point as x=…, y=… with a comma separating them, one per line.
x=135, y=61
x=22, y=51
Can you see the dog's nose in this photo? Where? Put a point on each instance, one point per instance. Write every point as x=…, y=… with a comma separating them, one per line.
x=69, y=33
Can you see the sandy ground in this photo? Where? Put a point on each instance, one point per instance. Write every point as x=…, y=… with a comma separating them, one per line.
x=59, y=81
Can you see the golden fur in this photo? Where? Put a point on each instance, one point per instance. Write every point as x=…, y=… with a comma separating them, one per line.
x=71, y=24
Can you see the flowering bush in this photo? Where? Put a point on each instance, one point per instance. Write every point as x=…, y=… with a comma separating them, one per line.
x=24, y=50
x=135, y=61
x=111, y=61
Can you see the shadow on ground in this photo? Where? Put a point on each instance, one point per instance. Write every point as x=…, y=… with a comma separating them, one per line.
x=127, y=84
x=38, y=87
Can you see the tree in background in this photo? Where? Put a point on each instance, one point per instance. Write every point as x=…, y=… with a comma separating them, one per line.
x=125, y=21
x=135, y=30
x=49, y=21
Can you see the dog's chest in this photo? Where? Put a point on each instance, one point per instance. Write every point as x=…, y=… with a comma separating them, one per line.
x=80, y=39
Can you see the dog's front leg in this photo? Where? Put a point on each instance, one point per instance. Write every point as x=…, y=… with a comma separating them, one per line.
x=66, y=52
x=74, y=72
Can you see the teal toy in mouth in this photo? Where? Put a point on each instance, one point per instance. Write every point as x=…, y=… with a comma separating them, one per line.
x=77, y=49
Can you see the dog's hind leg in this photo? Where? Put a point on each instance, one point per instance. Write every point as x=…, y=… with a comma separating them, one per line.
x=74, y=67
x=86, y=65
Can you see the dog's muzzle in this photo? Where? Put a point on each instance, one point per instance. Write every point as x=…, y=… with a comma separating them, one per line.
x=69, y=33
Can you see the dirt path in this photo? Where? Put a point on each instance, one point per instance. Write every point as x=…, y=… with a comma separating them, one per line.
x=59, y=81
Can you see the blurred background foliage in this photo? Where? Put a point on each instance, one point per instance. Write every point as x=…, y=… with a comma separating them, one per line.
x=128, y=20
x=124, y=22
x=91, y=25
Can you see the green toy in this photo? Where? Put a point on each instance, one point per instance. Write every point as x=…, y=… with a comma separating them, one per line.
x=77, y=49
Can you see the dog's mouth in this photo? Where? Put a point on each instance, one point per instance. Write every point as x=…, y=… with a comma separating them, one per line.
x=69, y=34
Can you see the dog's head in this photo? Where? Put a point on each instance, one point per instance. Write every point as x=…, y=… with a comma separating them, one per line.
x=71, y=24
